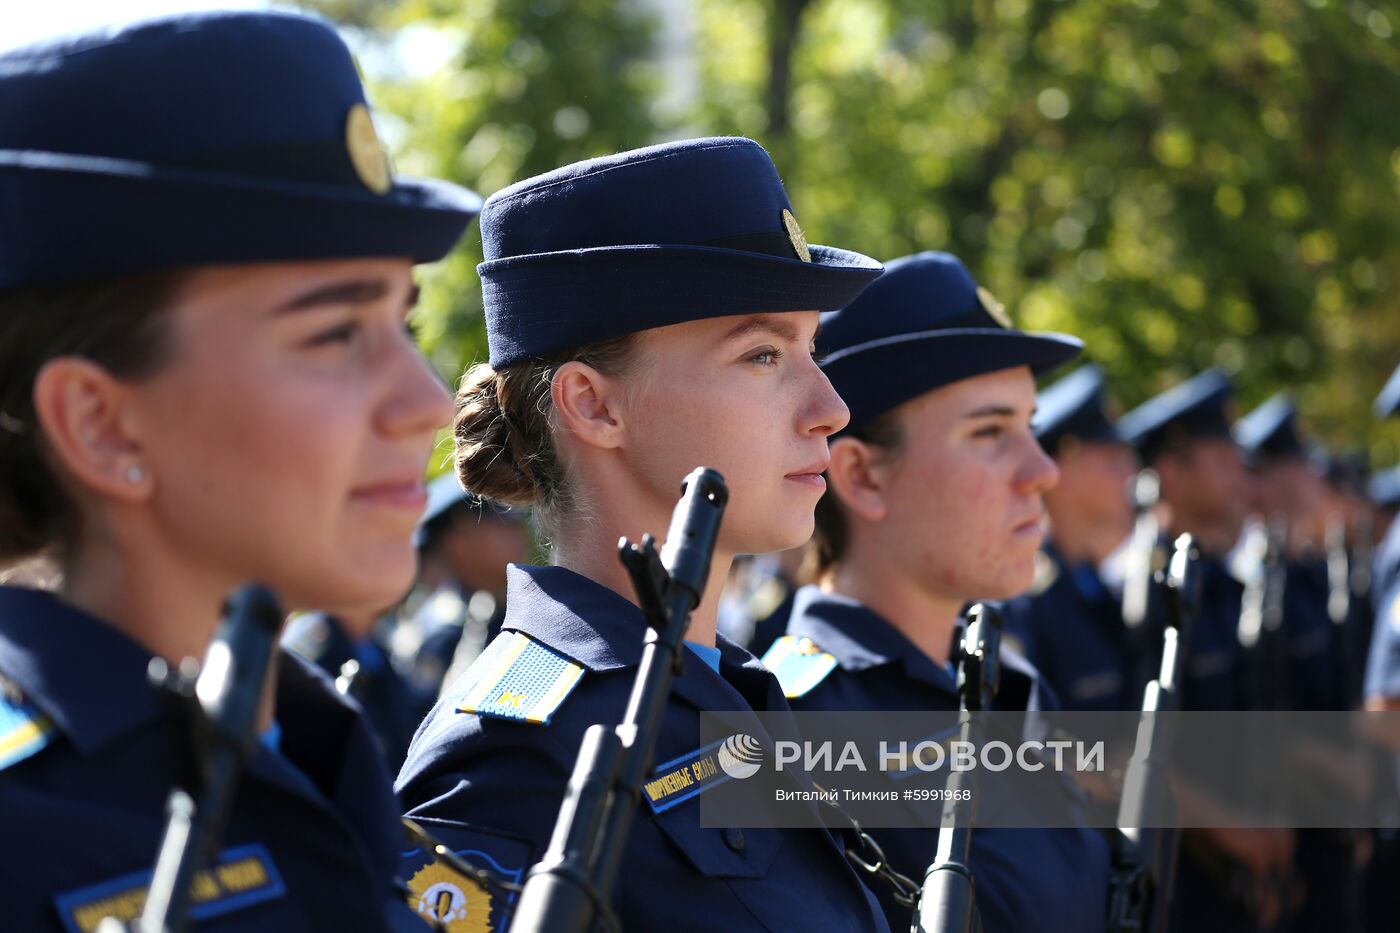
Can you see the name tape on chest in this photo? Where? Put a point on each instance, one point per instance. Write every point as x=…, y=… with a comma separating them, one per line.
x=24, y=731
x=239, y=877
x=693, y=773
x=798, y=664
x=520, y=679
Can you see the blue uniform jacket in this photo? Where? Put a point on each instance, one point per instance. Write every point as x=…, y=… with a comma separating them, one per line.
x=1212, y=676
x=313, y=839
x=1046, y=880
x=1072, y=633
x=489, y=780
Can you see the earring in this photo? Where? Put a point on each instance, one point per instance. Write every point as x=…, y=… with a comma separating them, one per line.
x=134, y=474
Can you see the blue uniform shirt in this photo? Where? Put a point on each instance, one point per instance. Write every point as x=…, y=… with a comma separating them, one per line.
x=487, y=770
x=1026, y=879
x=313, y=839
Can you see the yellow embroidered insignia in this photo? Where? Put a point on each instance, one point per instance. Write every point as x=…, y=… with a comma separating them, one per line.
x=449, y=901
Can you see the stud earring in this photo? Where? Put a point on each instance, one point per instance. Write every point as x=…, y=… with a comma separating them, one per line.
x=134, y=474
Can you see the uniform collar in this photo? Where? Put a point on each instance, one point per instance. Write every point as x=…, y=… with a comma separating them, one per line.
x=574, y=615
x=860, y=638
x=83, y=674
x=603, y=631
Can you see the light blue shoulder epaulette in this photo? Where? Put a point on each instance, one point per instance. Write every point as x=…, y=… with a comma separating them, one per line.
x=24, y=731
x=799, y=664
x=519, y=678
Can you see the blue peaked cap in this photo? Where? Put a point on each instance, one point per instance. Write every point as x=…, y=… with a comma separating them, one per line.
x=1388, y=402
x=1270, y=432
x=1074, y=407
x=695, y=229
x=923, y=324
x=201, y=138
x=1196, y=408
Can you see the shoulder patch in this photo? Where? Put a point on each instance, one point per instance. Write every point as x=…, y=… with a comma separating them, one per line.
x=24, y=731
x=455, y=902
x=519, y=678
x=799, y=664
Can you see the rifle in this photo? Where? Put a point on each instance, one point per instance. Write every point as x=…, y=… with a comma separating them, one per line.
x=216, y=704
x=1260, y=631
x=1340, y=610
x=946, y=904
x=1144, y=560
x=570, y=888
x=1145, y=864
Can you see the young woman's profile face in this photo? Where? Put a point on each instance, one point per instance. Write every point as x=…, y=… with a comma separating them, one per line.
x=288, y=435
x=744, y=396
x=963, y=506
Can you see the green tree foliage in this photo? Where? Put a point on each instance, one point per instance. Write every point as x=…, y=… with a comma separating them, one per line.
x=522, y=86
x=1180, y=183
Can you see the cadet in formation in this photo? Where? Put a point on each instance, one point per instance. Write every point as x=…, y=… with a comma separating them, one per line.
x=646, y=313
x=1070, y=623
x=1226, y=879
x=205, y=379
x=464, y=545
x=1286, y=502
x=935, y=501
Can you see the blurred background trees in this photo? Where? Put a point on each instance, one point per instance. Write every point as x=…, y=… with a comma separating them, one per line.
x=1180, y=183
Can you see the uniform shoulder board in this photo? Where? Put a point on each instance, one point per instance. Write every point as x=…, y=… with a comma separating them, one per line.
x=24, y=731
x=799, y=664
x=1046, y=573
x=518, y=678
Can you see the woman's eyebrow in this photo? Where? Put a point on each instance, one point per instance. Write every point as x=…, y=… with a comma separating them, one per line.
x=991, y=411
x=775, y=324
x=359, y=291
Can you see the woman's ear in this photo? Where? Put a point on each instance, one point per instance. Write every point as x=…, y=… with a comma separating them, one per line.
x=857, y=479
x=588, y=404
x=80, y=407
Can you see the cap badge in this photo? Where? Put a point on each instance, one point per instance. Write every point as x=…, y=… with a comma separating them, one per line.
x=366, y=151
x=795, y=237
x=993, y=307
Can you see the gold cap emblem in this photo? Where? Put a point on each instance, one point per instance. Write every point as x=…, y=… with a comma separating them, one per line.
x=995, y=308
x=795, y=237
x=366, y=151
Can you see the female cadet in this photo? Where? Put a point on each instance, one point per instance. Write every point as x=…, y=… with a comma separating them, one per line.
x=935, y=502
x=647, y=313
x=205, y=379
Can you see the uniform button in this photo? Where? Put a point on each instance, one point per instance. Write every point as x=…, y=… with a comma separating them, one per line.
x=734, y=838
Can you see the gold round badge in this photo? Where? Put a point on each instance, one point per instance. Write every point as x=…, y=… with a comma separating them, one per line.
x=366, y=151
x=795, y=237
x=993, y=307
